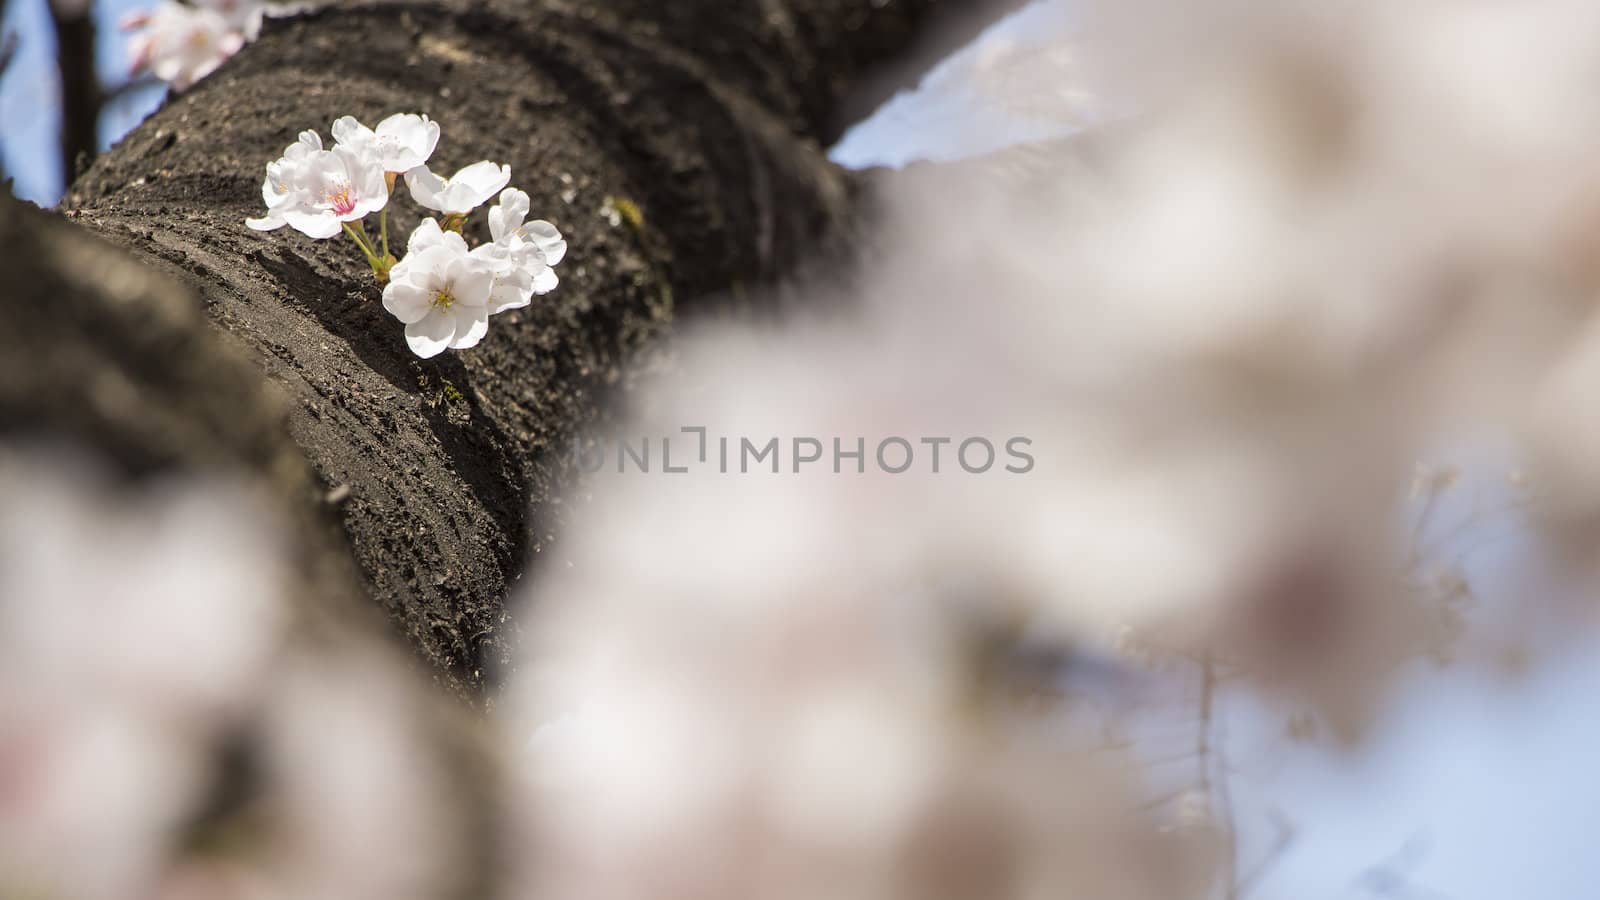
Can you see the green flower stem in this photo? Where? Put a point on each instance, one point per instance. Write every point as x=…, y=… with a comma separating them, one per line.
x=362, y=243
x=383, y=231
x=380, y=265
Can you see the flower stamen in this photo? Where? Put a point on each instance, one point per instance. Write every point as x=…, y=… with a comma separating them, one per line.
x=341, y=200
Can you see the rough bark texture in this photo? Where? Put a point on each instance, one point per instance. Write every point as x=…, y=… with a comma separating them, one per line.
x=675, y=144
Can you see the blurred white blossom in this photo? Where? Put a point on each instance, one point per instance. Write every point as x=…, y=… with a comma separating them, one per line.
x=243, y=16
x=1328, y=242
x=132, y=632
x=181, y=44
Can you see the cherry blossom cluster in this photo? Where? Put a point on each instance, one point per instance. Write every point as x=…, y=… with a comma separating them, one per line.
x=125, y=682
x=181, y=43
x=443, y=291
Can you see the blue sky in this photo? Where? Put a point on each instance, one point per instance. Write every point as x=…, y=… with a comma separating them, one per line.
x=1484, y=785
x=28, y=94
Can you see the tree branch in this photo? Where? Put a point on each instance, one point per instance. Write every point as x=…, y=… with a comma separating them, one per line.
x=703, y=116
x=81, y=98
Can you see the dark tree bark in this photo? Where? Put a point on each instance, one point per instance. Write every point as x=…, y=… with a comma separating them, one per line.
x=81, y=97
x=699, y=119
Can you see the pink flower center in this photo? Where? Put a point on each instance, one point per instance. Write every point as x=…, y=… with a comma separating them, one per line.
x=342, y=200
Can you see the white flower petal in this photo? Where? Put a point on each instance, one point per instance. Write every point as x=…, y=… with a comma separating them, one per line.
x=549, y=241
x=320, y=224
x=170, y=69
x=431, y=265
x=510, y=292
x=270, y=222
x=507, y=216
x=406, y=301
x=484, y=177
x=454, y=242
x=367, y=205
x=545, y=280
x=432, y=335
x=272, y=192
x=426, y=188
x=361, y=164
x=496, y=256
x=347, y=130
x=406, y=140
x=472, y=323
x=428, y=234
x=471, y=187
x=437, y=256
x=405, y=270
x=470, y=281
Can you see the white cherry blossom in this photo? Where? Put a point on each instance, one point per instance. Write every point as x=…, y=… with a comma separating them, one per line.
x=462, y=192
x=521, y=254
x=181, y=44
x=401, y=142
x=320, y=190
x=507, y=224
x=283, y=188
x=325, y=190
x=440, y=291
